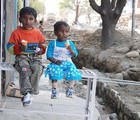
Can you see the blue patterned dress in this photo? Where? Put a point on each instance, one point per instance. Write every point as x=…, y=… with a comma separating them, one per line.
x=67, y=70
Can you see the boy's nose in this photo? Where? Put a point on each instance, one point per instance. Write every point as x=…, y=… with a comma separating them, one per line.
x=28, y=20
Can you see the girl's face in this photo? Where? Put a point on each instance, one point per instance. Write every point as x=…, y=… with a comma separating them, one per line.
x=28, y=21
x=62, y=33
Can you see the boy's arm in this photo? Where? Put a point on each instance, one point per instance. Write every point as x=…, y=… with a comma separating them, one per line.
x=42, y=44
x=13, y=46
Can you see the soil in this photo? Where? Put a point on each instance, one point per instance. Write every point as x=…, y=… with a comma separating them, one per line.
x=91, y=40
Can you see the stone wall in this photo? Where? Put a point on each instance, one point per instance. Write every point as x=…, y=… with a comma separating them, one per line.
x=113, y=99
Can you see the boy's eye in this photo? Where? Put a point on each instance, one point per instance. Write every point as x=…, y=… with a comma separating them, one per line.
x=28, y=18
x=31, y=18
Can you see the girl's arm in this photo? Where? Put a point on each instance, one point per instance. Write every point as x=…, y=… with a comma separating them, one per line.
x=72, y=48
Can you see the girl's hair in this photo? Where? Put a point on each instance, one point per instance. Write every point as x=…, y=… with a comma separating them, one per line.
x=59, y=24
x=29, y=11
x=41, y=21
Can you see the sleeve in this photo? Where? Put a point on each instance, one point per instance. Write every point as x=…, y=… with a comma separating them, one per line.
x=13, y=46
x=73, y=48
x=50, y=50
x=42, y=43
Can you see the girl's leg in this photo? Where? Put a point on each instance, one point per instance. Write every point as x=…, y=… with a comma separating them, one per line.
x=54, y=94
x=54, y=84
x=70, y=90
x=72, y=83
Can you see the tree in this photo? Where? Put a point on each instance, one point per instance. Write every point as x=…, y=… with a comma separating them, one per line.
x=110, y=12
x=38, y=5
x=80, y=7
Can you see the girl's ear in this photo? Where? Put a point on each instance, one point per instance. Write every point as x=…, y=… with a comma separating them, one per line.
x=55, y=33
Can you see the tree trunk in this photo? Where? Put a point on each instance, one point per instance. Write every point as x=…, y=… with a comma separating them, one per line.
x=77, y=14
x=110, y=12
x=108, y=32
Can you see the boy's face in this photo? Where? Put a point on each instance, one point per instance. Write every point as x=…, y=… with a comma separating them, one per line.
x=28, y=21
x=62, y=33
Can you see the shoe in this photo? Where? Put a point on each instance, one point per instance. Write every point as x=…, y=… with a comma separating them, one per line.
x=35, y=92
x=69, y=92
x=54, y=94
x=26, y=100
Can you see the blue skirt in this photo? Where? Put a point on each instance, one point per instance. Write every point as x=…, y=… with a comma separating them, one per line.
x=67, y=70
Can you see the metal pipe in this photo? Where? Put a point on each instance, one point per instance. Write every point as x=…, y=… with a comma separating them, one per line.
x=126, y=82
x=26, y=3
x=88, y=98
x=1, y=36
x=133, y=20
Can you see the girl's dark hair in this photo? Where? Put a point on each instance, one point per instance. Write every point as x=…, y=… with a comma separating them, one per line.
x=59, y=24
x=41, y=21
x=29, y=11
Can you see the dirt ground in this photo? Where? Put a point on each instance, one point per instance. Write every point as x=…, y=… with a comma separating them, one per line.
x=91, y=40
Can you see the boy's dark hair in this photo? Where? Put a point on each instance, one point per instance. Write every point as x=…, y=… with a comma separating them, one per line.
x=59, y=24
x=29, y=11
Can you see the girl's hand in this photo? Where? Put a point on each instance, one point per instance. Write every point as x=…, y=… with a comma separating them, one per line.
x=68, y=47
x=58, y=62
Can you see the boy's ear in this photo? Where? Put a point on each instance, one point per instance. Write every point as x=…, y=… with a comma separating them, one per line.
x=35, y=21
x=20, y=19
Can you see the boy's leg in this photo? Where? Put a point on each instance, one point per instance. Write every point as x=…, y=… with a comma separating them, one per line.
x=22, y=66
x=37, y=70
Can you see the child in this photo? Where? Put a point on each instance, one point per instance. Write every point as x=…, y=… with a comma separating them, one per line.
x=41, y=27
x=27, y=44
x=59, y=53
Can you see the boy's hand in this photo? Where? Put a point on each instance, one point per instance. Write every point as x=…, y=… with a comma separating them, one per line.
x=24, y=42
x=24, y=45
x=37, y=50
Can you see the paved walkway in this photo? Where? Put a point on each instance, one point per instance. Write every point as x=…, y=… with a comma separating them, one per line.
x=45, y=108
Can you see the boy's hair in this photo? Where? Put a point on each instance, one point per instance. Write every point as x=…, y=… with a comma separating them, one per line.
x=29, y=11
x=59, y=24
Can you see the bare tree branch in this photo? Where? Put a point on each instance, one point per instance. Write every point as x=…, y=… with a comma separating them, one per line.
x=119, y=7
x=113, y=3
x=94, y=5
x=118, y=10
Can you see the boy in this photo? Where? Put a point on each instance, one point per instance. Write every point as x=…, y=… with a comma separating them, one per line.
x=27, y=44
x=59, y=53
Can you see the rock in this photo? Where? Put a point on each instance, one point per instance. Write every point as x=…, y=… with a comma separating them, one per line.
x=113, y=116
x=118, y=76
x=132, y=54
x=122, y=50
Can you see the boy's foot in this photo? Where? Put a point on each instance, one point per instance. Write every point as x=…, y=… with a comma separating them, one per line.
x=26, y=100
x=35, y=92
x=69, y=92
x=54, y=94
